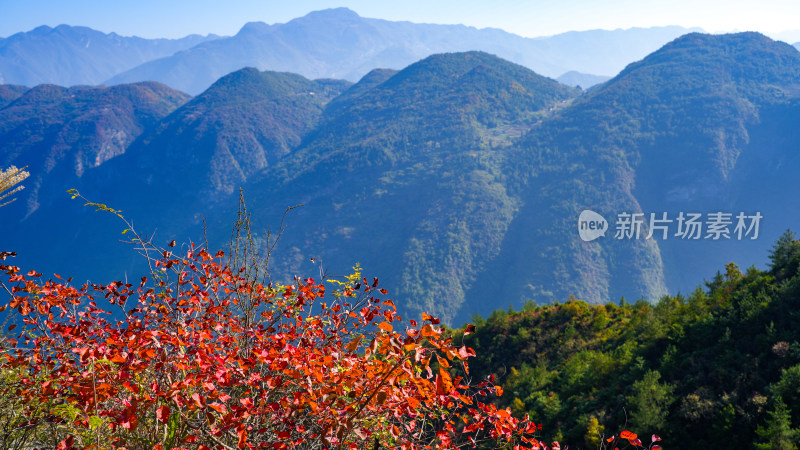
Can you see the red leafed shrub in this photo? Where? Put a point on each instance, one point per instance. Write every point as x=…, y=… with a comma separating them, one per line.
x=627, y=439
x=304, y=366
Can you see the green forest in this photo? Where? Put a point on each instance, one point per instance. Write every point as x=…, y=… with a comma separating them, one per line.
x=718, y=368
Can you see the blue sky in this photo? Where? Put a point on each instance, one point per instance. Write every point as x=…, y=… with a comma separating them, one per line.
x=168, y=18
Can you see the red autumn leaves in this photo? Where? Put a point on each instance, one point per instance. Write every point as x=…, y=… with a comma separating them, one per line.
x=633, y=440
x=184, y=369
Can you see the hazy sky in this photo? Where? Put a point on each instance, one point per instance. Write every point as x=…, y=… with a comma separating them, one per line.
x=175, y=18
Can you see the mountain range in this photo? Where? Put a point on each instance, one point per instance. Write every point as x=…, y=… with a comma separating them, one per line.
x=333, y=43
x=457, y=179
x=73, y=55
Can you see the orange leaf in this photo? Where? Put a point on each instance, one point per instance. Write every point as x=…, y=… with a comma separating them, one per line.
x=628, y=435
x=444, y=383
x=242, y=438
x=385, y=326
x=390, y=303
x=353, y=345
x=427, y=330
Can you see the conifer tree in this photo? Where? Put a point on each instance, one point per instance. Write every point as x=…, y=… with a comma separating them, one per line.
x=785, y=256
x=778, y=433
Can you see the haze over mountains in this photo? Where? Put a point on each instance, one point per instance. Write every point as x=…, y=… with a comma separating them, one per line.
x=458, y=179
x=68, y=56
x=334, y=43
x=337, y=43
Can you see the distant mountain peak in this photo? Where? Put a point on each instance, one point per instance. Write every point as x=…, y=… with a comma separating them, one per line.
x=249, y=79
x=745, y=55
x=695, y=38
x=42, y=29
x=325, y=15
x=473, y=87
x=455, y=64
x=455, y=61
x=65, y=27
x=254, y=28
x=338, y=13
x=76, y=55
x=375, y=74
x=731, y=41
